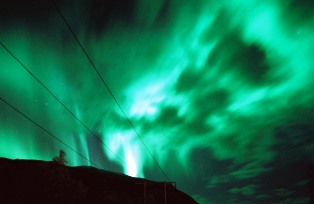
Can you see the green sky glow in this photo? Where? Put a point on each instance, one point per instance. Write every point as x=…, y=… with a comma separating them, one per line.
x=192, y=76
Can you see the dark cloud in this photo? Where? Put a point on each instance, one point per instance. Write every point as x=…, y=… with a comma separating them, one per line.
x=203, y=93
x=302, y=9
x=104, y=14
x=188, y=80
x=224, y=49
x=285, y=176
x=168, y=117
x=197, y=126
x=294, y=136
x=216, y=30
x=213, y=100
x=163, y=17
x=249, y=61
x=248, y=190
x=250, y=170
x=251, y=143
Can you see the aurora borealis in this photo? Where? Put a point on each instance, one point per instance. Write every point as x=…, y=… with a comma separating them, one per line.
x=221, y=92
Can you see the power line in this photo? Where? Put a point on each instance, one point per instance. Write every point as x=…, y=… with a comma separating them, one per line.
x=49, y=133
x=107, y=87
x=56, y=98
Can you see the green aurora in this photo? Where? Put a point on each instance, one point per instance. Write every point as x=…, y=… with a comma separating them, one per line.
x=220, y=93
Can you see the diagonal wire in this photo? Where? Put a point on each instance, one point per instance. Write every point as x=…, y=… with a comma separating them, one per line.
x=64, y=106
x=107, y=87
x=48, y=132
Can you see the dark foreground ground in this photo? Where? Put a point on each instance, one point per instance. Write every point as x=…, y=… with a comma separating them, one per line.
x=30, y=181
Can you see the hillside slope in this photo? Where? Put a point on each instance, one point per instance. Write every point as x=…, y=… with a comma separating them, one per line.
x=32, y=181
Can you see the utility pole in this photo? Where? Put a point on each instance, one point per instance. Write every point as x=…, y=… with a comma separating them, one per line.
x=144, y=184
x=145, y=192
x=165, y=192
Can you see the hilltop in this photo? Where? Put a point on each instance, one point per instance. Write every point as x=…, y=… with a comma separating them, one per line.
x=35, y=181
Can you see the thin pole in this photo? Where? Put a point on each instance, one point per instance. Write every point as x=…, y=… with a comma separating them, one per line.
x=165, y=192
x=145, y=192
x=144, y=185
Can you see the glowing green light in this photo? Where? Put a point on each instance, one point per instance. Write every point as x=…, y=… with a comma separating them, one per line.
x=190, y=75
x=127, y=147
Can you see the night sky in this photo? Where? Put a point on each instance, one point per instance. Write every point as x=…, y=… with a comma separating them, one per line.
x=221, y=92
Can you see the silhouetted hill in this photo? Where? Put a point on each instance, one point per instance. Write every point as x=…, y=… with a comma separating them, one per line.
x=33, y=181
x=311, y=183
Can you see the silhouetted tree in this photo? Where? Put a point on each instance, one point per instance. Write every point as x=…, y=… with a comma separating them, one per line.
x=63, y=185
x=61, y=159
